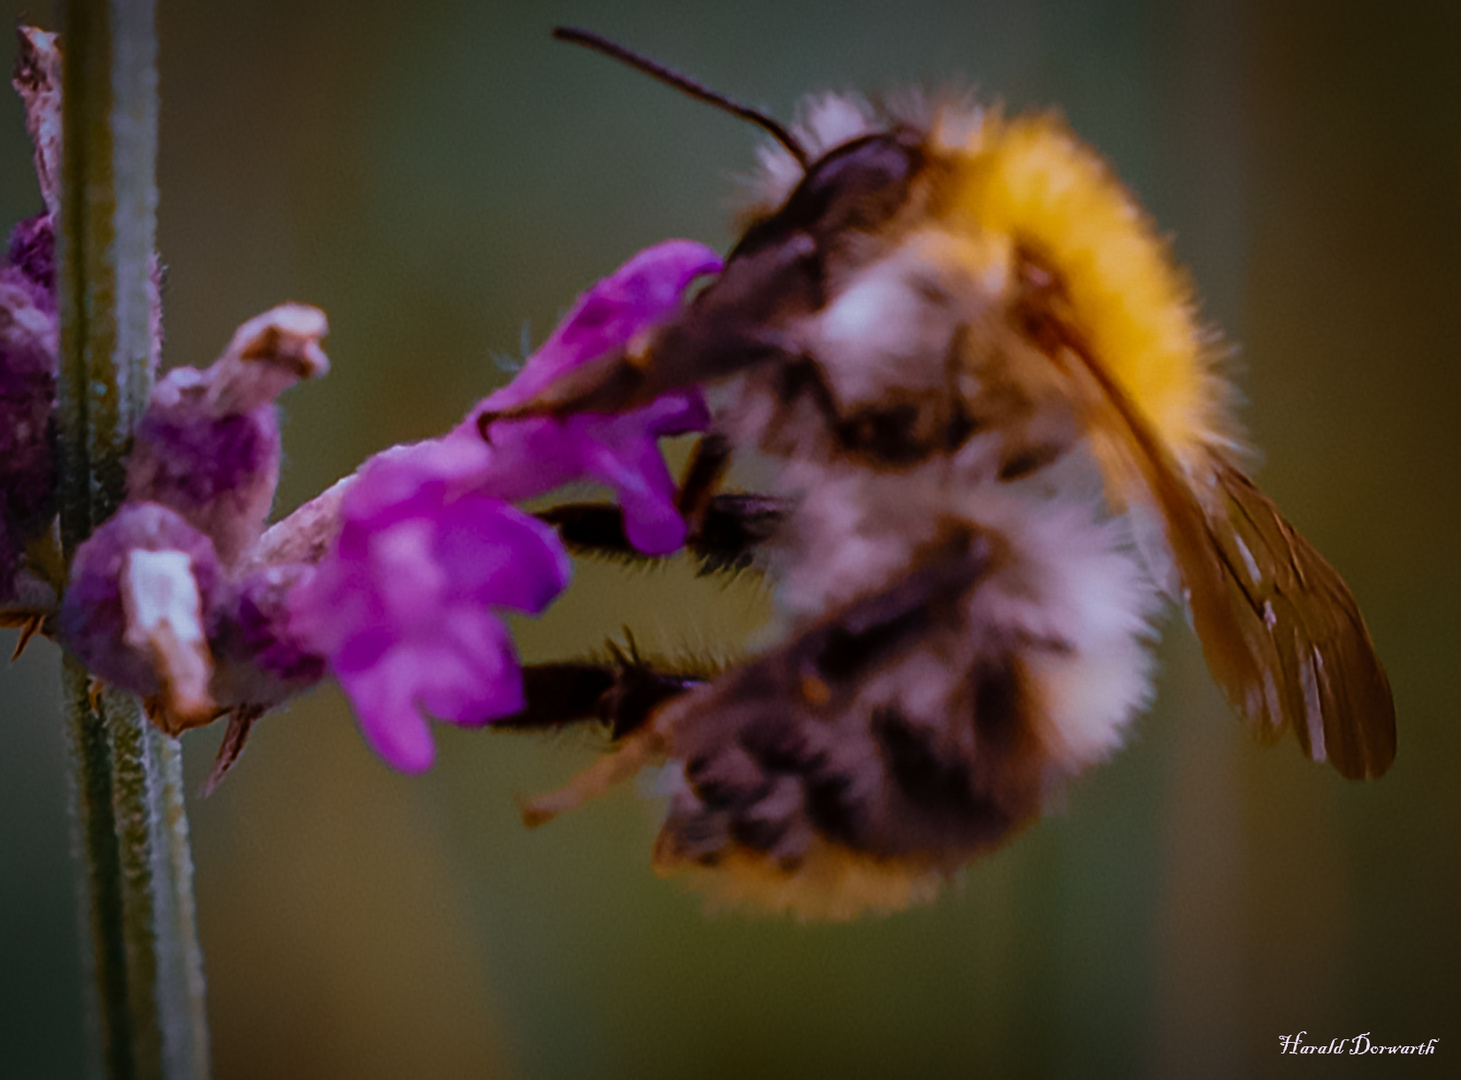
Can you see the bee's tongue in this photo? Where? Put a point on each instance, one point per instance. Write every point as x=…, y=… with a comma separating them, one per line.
x=613, y=383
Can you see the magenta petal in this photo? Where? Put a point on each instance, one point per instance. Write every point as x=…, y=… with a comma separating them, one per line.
x=404, y=605
x=383, y=697
x=645, y=290
x=499, y=555
x=678, y=413
x=534, y=456
x=530, y=457
x=473, y=676
x=430, y=548
x=646, y=491
x=396, y=481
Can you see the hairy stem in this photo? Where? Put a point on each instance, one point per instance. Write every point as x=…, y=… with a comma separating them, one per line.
x=146, y=1002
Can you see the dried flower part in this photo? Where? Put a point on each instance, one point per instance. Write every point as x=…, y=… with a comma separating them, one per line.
x=38, y=81
x=29, y=339
x=208, y=445
x=133, y=618
x=164, y=616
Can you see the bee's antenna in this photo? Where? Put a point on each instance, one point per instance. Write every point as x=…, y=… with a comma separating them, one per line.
x=685, y=85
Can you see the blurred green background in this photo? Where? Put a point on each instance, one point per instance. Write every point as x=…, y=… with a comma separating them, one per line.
x=439, y=175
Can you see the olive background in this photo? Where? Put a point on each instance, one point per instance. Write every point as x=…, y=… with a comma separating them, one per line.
x=444, y=180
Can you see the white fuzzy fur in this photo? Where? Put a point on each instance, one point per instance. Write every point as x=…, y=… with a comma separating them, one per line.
x=1068, y=587
x=890, y=324
x=1065, y=572
x=826, y=121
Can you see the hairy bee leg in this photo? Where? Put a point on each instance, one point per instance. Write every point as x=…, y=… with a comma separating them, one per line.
x=754, y=705
x=817, y=666
x=722, y=530
x=634, y=754
x=725, y=539
x=621, y=694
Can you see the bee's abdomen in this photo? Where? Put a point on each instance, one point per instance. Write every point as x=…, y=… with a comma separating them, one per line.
x=918, y=723
x=827, y=749
x=784, y=780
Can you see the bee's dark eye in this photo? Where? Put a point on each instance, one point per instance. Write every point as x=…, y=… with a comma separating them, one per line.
x=858, y=186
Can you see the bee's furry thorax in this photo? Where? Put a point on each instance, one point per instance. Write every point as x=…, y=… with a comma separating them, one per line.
x=1027, y=182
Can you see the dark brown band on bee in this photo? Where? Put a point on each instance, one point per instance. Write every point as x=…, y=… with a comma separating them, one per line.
x=787, y=754
x=892, y=435
x=895, y=786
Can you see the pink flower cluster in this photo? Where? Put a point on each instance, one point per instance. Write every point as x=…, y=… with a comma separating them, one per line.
x=395, y=580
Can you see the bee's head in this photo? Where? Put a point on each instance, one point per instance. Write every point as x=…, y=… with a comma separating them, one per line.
x=778, y=271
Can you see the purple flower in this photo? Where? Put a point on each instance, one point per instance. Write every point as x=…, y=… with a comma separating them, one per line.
x=536, y=455
x=32, y=252
x=208, y=445
x=169, y=598
x=29, y=333
x=430, y=548
x=404, y=604
x=145, y=592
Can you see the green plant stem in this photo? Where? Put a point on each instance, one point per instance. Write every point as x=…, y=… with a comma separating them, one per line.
x=146, y=1002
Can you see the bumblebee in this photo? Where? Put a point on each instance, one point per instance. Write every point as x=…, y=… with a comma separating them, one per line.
x=1000, y=444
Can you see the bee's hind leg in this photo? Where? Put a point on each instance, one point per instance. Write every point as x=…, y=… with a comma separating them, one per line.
x=620, y=693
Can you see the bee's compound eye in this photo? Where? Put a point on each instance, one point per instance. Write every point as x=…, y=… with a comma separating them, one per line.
x=858, y=186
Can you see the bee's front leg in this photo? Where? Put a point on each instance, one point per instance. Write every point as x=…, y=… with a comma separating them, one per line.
x=730, y=530
x=724, y=529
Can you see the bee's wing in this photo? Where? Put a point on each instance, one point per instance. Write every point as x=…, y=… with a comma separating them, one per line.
x=1321, y=674
x=1280, y=630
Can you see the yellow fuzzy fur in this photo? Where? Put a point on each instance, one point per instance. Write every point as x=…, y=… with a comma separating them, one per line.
x=1029, y=180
